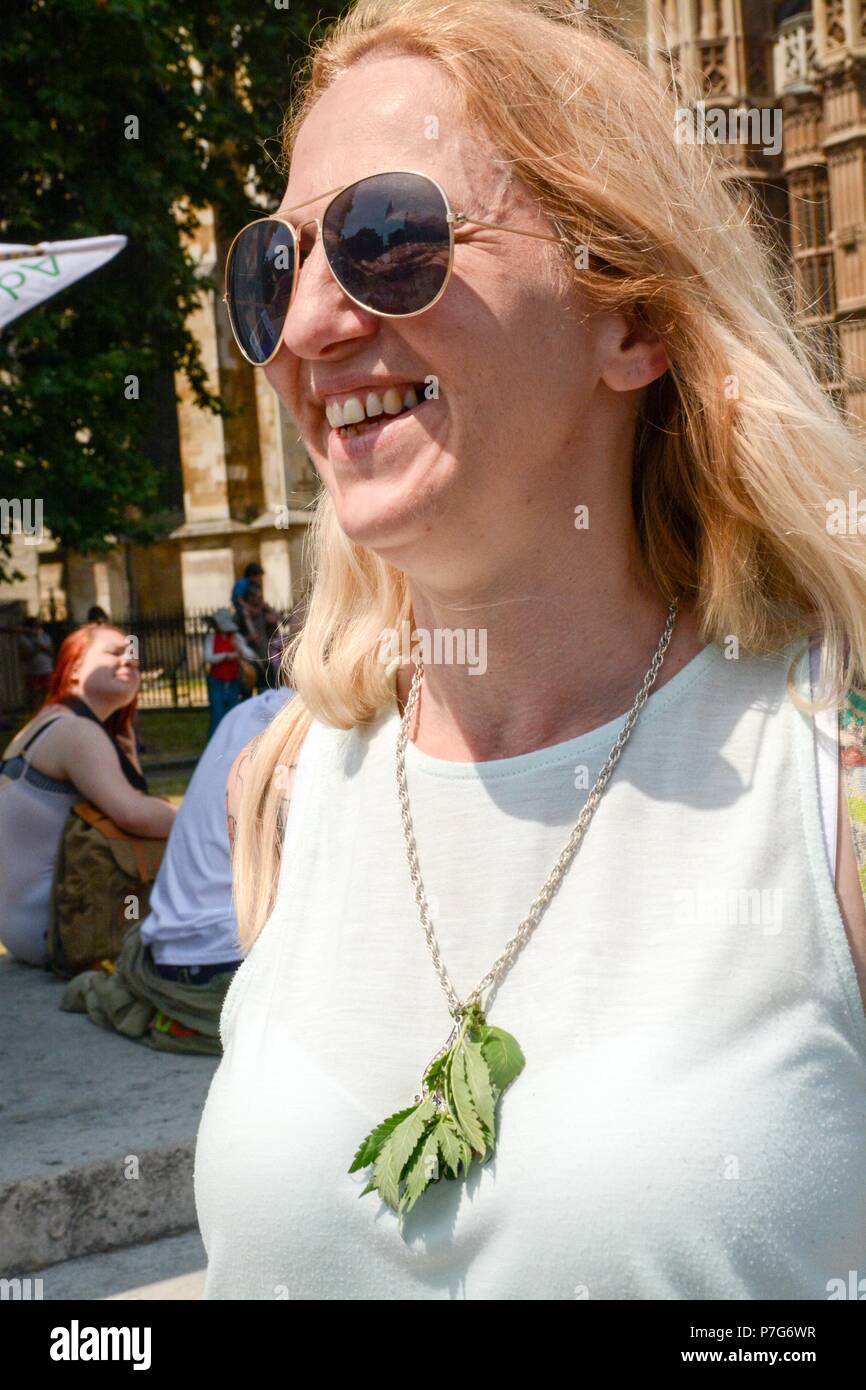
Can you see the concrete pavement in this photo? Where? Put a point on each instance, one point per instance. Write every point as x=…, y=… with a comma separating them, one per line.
x=171, y=1268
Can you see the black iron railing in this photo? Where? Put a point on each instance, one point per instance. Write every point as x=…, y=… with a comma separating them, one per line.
x=169, y=647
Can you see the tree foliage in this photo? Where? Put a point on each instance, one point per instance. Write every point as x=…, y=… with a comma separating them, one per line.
x=208, y=84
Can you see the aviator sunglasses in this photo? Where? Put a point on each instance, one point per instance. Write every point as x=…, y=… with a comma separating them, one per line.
x=389, y=243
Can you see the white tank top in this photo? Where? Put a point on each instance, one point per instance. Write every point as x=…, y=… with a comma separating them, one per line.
x=691, y=1120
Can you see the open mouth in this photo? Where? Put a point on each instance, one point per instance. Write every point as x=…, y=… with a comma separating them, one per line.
x=367, y=409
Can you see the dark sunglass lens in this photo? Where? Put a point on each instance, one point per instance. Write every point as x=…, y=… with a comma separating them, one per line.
x=387, y=242
x=260, y=273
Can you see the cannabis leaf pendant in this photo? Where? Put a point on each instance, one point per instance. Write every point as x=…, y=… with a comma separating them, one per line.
x=453, y=1119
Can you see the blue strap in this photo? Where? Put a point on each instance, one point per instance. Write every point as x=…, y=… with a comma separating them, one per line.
x=4, y=762
x=34, y=737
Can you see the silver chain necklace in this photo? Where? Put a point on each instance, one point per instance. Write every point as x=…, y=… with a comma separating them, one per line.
x=453, y=1117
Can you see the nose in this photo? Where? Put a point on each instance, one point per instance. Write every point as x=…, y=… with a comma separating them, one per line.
x=321, y=315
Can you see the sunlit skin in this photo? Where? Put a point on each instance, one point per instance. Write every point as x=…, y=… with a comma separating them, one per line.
x=77, y=750
x=536, y=416
x=107, y=677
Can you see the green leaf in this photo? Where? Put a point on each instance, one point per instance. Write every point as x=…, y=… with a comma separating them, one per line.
x=466, y=1156
x=424, y=1169
x=450, y=1145
x=503, y=1056
x=470, y=1076
x=434, y=1076
x=405, y=1137
x=398, y=1150
x=383, y=1180
x=372, y=1146
x=463, y=1107
x=478, y=1077
x=474, y=1017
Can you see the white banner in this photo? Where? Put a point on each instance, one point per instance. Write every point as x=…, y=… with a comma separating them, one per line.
x=31, y=274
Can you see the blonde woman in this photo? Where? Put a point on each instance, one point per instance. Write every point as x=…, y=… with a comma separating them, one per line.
x=574, y=915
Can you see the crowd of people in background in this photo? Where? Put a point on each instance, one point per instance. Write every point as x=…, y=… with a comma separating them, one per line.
x=243, y=651
x=36, y=654
x=241, y=656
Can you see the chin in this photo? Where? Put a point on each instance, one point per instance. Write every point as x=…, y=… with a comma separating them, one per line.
x=379, y=523
x=394, y=510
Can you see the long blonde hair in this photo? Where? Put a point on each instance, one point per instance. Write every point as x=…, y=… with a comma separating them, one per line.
x=738, y=448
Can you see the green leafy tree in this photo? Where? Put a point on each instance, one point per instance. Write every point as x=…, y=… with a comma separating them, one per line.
x=207, y=85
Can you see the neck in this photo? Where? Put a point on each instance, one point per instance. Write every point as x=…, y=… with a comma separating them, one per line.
x=101, y=708
x=540, y=668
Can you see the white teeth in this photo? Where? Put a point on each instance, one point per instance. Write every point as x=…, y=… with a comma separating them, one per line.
x=354, y=411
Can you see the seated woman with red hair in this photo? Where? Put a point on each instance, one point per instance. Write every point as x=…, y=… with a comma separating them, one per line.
x=78, y=746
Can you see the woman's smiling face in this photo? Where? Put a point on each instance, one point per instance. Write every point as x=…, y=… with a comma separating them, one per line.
x=107, y=671
x=511, y=352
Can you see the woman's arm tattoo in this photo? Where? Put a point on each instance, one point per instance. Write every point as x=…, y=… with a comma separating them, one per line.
x=231, y=821
x=283, y=808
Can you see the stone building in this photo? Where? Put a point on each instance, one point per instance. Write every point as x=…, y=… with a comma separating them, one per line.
x=238, y=489
x=806, y=60
x=243, y=487
x=248, y=482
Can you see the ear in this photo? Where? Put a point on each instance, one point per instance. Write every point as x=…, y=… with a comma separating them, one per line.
x=632, y=355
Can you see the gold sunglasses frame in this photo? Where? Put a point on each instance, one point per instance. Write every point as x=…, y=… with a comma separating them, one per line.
x=455, y=220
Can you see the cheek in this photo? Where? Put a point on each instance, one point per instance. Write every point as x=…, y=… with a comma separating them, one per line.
x=274, y=373
x=510, y=363
x=282, y=376
x=539, y=403
x=103, y=671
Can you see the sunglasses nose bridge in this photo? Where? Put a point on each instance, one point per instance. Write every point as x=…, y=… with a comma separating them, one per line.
x=302, y=255
x=310, y=222
x=299, y=280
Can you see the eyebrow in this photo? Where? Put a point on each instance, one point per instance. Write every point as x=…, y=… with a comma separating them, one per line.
x=458, y=220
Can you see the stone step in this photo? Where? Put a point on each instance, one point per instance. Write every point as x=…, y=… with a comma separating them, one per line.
x=171, y=1268
x=97, y=1132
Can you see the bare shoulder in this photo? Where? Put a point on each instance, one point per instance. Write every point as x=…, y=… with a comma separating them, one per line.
x=76, y=734
x=33, y=726
x=69, y=736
